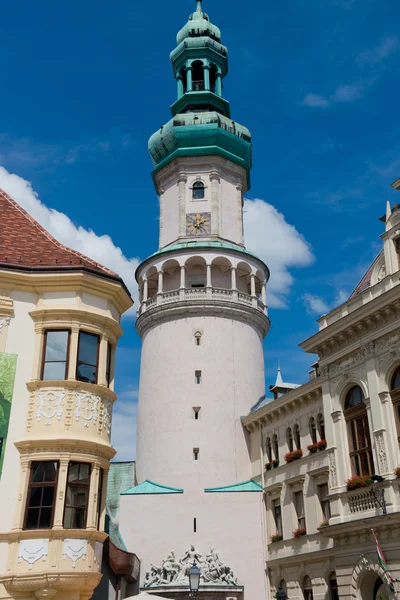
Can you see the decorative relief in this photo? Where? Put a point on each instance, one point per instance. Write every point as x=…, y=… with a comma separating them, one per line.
x=381, y=452
x=51, y=404
x=4, y=322
x=74, y=549
x=333, y=478
x=87, y=407
x=176, y=571
x=33, y=550
x=107, y=415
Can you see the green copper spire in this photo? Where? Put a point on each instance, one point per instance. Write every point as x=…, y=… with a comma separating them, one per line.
x=199, y=5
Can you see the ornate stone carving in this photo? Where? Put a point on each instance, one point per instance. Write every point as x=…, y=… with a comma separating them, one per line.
x=51, y=404
x=33, y=550
x=74, y=549
x=333, y=478
x=107, y=415
x=87, y=407
x=4, y=322
x=381, y=452
x=176, y=572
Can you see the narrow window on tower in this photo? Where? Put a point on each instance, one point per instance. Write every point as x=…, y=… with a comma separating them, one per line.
x=197, y=377
x=195, y=525
x=197, y=338
x=196, y=412
x=196, y=453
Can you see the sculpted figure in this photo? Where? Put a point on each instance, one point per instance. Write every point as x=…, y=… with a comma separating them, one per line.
x=153, y=576
x=170, y=568
x=191, y=555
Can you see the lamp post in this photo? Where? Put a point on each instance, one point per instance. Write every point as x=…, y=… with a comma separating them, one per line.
x=281, y=594
x=194, y=580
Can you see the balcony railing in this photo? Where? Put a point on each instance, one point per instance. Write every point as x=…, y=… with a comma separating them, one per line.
x=203, y=294
x=364, y=500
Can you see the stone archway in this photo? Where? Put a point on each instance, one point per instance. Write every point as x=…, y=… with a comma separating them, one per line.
x=369, y=582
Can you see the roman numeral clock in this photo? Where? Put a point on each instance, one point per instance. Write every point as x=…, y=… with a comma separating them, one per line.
x=198, y=223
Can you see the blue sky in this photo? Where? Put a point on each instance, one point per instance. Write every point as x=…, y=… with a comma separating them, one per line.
x=84, y=85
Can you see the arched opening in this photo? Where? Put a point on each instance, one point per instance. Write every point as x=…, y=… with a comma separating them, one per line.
x=198, y=190
x=259, y=279
x=395, y=394
x=321, y=426
x=196, y=274
x=268, y=449
x=141, y=289
x=296, y=435
x=307, y=588
x=172, y=273
x=152, y=282
x=243, y=284
x=313, y=430
x=197, y=76
x=183, y=77
x=289, y=439
x=355, y=412
x=275, y=446
x=374, y=588
x=213, y=78
x=221, y=273
x=333, y=587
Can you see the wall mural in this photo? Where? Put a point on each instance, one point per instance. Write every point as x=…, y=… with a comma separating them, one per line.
x=8, y=365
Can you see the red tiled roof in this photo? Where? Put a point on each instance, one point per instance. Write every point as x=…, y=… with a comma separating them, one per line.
x=25, y=243
x=365, y=282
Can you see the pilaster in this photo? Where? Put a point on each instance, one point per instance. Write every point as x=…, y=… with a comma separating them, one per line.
x=215, y=202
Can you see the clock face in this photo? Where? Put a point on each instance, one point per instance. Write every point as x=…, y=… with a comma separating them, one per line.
x=198, y=223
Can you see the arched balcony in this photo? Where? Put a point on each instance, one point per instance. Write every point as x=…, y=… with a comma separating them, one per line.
x=210, y=278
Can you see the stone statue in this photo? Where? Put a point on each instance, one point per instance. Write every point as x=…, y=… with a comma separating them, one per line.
x=153, y=577
x=170, y=568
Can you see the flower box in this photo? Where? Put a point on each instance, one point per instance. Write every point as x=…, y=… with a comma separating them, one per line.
x=294, y=455
x=360, y=481
x=275, y=463
x=298, y=533
x=397, y=472
x=322, y=444
x=268, y=466
x=324, y=524
x=312, y=448
x=277, y=537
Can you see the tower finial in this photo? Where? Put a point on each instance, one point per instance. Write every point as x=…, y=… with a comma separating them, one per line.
x=199, y=5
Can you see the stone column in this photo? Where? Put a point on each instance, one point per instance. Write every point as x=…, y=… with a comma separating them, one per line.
x=73, y=351
x=239, y=208
x=182, y=181
x=233, y=278
x=160, y=282
x=25, y=474
x=253, y=284
x=218, y=84
x=206, y=70
x=93, y=493
x=209, y=282
x=145, y=289
x=215, y=181
x=189, y=78
x=264, y=293
x=39, y=349
x=102, y=365
x=180, y=86
x=182, y=283
x=60, y=498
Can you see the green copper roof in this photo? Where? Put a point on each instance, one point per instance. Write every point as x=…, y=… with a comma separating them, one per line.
x=246, y=486
x=198, y=25
x=148, y=487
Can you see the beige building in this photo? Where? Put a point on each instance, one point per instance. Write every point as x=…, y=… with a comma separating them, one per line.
x=59, y=326
x=313, y=445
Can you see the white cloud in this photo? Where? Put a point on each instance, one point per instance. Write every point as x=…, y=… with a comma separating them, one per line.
x=100, y=248
x=315, y=304
x=375, y=55
x=278, y=244
x=341, y=94
x=123, y=433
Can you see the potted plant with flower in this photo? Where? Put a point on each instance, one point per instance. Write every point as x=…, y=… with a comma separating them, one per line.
x=397, y=472
x=359, y=481
x=324, y=523
x=313, y=448
x=277, y=537
x=298, y=533
x=268, y=466
x=294, y=455
x=275, y=463
x=322, y=444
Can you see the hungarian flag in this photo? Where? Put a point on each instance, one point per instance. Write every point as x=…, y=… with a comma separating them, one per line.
x=382, y=562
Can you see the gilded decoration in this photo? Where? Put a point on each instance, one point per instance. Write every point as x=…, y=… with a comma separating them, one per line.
x=33, y=550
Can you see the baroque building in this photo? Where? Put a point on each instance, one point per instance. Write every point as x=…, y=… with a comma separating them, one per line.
x=202, y=318
x=327, y=452
x=59, y=327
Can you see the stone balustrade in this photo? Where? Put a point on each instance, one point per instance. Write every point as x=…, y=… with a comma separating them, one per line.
x=202, y=294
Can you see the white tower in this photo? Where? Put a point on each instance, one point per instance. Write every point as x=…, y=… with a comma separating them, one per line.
x=202, y=319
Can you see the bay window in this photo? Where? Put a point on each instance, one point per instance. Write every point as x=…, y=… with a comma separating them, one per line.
x=77, y=496
x=55, y=354
x=88, y=357
x=41, y=495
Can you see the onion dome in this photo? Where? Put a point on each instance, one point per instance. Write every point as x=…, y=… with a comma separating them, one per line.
x=199, y=25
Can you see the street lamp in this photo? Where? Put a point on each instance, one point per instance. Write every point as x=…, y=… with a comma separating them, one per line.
x=281, y=594
x=194, y=580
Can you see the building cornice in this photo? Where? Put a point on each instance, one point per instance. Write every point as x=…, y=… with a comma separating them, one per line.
x=55, y=446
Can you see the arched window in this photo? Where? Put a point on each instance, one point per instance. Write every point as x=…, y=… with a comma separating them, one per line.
x=268, y=449
x=198, y=190
x=275, y=446
x=395, y=393
x=321, y=426
x=197, y=76
x=355, y=413
x=289, y=439
x=333, y=587
x=296, y=433
x=307, y=588
x=313, y=431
